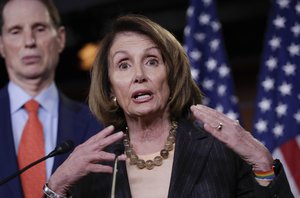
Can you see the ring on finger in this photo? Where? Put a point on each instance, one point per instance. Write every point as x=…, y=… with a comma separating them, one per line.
x=220, y=126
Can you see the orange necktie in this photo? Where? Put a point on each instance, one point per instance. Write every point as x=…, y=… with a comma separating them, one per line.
x=31, y=148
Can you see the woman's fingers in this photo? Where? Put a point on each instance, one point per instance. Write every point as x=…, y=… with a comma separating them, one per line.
x=214, y=122
x=86, y=158
x=105, y=133
x=91, y=151
x=223, y=128
x=233, y=135
x=101, y=140
x=209, y=115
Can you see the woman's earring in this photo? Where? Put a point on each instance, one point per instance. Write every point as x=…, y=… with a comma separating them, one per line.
x=114, y=99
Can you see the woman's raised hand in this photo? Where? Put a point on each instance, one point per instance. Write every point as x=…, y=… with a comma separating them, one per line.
x=234, y=136
x=86, y=158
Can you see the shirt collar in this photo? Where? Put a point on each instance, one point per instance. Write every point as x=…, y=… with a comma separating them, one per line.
x=48, y=98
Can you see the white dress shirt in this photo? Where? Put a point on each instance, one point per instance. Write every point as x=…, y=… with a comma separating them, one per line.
x=48, y=115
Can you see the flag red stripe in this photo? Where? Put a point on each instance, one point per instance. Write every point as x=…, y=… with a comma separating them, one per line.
x=291, y=154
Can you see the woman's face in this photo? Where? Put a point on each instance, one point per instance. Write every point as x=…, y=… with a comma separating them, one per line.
x=138, y=75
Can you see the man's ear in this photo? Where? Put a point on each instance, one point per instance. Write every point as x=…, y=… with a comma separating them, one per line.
x=61, y=37
x=2, y=47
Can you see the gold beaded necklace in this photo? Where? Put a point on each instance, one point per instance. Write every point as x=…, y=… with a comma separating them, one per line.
x=157, y=161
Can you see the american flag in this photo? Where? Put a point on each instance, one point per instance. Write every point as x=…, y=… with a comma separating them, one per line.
x=277, y=118
x=209, y=67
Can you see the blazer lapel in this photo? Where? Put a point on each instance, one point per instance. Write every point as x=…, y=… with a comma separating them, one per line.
x=7, y=149
x=187, y=168
x=122, y=183
x=123, y=188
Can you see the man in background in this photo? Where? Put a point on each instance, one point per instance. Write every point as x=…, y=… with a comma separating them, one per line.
x=34, y=116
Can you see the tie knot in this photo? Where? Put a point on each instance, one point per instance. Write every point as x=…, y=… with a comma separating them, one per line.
x=32, y=106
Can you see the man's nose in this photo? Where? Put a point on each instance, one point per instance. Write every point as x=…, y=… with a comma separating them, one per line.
x=29, y=39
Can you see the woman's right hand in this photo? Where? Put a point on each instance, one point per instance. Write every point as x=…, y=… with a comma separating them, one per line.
x=86, y=158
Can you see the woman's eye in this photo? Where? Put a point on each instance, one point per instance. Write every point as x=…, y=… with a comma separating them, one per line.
x=123, y=65
x=152, y=62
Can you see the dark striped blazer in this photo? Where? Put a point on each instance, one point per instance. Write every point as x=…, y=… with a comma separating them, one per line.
x=202, y=167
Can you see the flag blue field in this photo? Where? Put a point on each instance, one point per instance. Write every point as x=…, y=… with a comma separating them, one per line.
x=277, y=117
x=209, y=65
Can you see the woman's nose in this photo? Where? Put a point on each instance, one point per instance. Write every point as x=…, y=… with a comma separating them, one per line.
x=140, y=75
x=139, y=79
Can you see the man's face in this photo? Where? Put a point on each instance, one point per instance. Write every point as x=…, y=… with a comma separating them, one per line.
x=30, y=44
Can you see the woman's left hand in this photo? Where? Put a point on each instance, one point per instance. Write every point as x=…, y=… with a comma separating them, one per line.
x=234, y=136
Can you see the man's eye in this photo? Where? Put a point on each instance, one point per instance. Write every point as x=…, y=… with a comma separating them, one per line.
x=40, y=29
x=14, y=31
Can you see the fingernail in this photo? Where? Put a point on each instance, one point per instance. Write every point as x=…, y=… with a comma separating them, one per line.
x=198, y=106
x=120, y=133
x=110, y=127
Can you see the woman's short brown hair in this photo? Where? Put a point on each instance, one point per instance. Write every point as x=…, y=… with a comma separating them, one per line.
x=183, y=90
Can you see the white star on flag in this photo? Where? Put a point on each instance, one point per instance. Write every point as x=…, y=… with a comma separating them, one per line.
x=297, y=117
x=190, y=11
x=187, y=30
x=211, y=64
x=204, y=19
x=283, y=3
x=199, y=36
x=278, y=130
x=274, y=43
x=206, y=2
x=265, y=104
x=271, y=63
x=285, y=89
x=281, y=110
x=294, y=49
x=289, y=69
x=232, y=115
x=215, y=26
x=195, y=54
x=296, y=29
x=219, y=108
x=261, y=126
x=221, y=90
x=195, y=73
x=208, y=84
x=279, y=22
x=214, y=44
x=297, y=8
x=223, y=70
x=268, y=84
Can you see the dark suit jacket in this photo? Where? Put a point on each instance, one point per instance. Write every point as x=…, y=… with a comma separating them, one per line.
x=202, y=167
x=75, y=123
